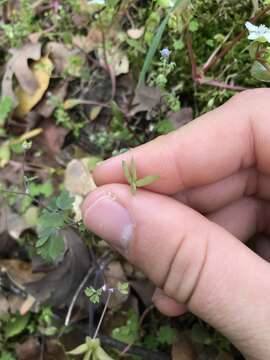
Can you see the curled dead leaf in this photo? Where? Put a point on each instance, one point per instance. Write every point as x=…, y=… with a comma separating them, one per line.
x=18, y=66
x=78, y=179
x=135, y=33
x=60, y=55
x=116, y=58
x=146, y=98
x=42, y=70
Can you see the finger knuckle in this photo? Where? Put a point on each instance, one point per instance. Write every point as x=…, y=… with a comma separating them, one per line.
x=186, y=268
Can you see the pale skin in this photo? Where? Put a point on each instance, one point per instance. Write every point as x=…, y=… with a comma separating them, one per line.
x=188, y=229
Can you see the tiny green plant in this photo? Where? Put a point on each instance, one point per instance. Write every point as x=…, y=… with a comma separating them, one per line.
x=53, y=219
x=130, y=173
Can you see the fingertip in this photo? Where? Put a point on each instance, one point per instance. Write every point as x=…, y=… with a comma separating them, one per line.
x=166, y=305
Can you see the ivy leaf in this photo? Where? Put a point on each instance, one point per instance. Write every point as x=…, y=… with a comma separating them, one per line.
x=64, y=201
x=6, y=105
x=147, y=180
x=127, y=172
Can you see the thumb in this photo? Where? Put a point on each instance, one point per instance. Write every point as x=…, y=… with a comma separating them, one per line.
x=193, y=260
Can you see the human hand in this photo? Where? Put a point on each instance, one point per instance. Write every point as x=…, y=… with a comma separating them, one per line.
x=219, y=166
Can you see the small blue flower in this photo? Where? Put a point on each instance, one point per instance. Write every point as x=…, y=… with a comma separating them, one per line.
x=165, y=53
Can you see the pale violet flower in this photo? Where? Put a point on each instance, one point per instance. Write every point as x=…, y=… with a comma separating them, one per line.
x=256, y=32
x=165, y=53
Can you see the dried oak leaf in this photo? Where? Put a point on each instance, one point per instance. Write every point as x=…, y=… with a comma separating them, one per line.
x=18, y=66
x=114, y=274
x=31, y=349
x=60, y=55
x=89, y=42
x=146, y=98
x=60, y=283
x=181, y=117
x=46, y=107
x=42, y=70
x=78, y=179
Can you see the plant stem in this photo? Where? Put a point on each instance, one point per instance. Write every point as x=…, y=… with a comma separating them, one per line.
x=103, y=314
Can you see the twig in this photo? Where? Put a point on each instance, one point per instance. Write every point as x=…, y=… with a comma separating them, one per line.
x=77, y=293
x=198, y=76
x=82, y=284
x=224, y=51
x=134, y=350
x=221, y=85
x=103, y=314
x=194, y=69
x=109, y=67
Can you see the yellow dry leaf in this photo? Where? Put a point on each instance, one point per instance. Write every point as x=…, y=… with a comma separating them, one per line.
x=42, y=70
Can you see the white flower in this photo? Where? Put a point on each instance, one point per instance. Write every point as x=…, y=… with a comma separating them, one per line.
x=256, y=32
x=96, y=2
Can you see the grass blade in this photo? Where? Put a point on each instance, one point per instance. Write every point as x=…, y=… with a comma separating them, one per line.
x=153, y=48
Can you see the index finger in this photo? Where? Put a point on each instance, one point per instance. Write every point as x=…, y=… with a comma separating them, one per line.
x=234, y=136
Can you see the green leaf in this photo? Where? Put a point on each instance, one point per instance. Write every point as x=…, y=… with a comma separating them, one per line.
x=147, y=180
x=201, y=335
x=50, y=219
x=154, y=45
x=64, y=201
x=260, y=72
x=93, y=294
x=128, y=333
x=5, y=154
x=16, y=325
x=133, y=171
x=56, y=246
x=6, y=105
x=126, y=172
x=123, y=287
x=166, y=335
x=7, y=356
x=193, y=26
x=101, y=354
x=81, y=349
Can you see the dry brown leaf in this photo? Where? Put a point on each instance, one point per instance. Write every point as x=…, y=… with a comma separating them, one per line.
x=181, y=117
x=31, y=349
x=52, y=138
x=135, y=33
x=4, y=306
x=60, y=54
x=89, y=42
x=146, y=98
x=78, y=180
x=114, y=274
x=18, y=66
x=19, y=272
x=183, y=348
x=116, y=58
x=42, y=70
x=46, y=106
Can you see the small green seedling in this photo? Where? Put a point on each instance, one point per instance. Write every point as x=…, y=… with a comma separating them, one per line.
x=130, y=173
